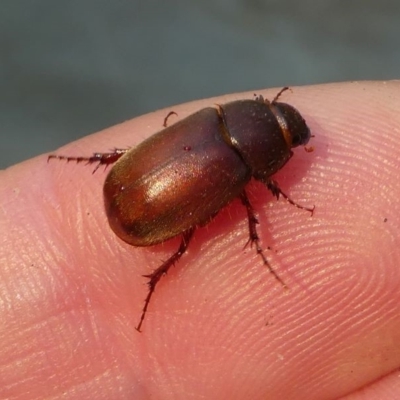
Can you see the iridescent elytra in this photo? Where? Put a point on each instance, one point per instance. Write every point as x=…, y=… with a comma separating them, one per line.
x=181, y=177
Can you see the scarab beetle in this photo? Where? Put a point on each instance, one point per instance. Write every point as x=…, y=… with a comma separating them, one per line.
x=181, y=177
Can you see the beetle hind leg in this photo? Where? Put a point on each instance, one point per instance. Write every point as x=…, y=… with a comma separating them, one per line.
x=100, y=158
x=254, y=238
x=156, y=275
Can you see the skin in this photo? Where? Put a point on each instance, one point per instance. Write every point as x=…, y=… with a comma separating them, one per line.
x=219, y=325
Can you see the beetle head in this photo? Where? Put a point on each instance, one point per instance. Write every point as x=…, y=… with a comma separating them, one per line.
x=297, y=129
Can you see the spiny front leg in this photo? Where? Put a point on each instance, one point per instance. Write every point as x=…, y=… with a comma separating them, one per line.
x=276, y=191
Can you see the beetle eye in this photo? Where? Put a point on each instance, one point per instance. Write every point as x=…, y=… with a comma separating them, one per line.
x=301, y=136
x=296, y=140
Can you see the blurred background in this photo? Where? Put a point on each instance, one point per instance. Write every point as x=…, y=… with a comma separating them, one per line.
x=68, y=69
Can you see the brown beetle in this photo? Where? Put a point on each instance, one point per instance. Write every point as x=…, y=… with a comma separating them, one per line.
x=181, y=177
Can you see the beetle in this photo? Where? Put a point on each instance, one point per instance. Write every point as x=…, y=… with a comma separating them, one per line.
x=181, y=177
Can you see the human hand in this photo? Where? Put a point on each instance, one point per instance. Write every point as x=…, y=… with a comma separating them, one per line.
x=219, y=325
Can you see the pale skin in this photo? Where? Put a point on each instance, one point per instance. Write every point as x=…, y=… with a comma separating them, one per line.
x=219, y=325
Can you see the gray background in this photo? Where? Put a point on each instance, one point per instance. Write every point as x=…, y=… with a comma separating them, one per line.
x=69, y=68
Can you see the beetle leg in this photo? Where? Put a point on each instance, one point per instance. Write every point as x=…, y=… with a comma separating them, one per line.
x=101, y=158
x=275, y=99
x=276, y=191
x=253, y=235
x=156, y=275
x=167, y=117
